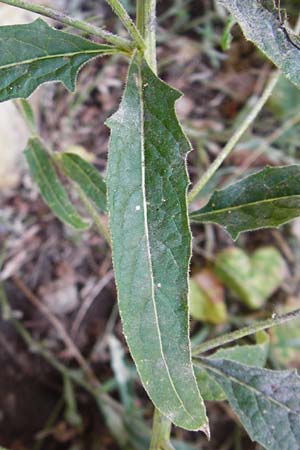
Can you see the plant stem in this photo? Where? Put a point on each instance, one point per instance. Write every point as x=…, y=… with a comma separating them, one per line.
x=128, y=23
x=146, y=23
x=94, y=214
x=161, y=430
x=118, y=41
x=246, y=331
x=236, y=136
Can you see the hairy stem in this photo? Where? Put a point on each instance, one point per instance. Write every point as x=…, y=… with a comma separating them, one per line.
x=128, y=23
x=94, y=215
x=146, y=23
x=236, y=137
x=121, y=43
x=161, y=430
x=246, y=331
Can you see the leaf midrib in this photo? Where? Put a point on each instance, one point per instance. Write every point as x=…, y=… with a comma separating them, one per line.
x=85, y=175
x=141, y=96
x=49, y=185
x=245, y=385
x=59, y=55
x=234, y=208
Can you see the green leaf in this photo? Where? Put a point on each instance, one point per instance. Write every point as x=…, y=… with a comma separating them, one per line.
x=267, y=402
x=268, y=198
x=263, y=28
x=251, y=355
x=207, y=298
x=253, y=279
x=147, y=183
x=35, y=53
x=43, y=172
x=86, y=176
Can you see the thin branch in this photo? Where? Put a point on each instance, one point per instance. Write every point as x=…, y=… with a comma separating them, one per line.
x=236, y=137
x=128, y=23
x=86, y=304
x=93, y=30
x=38, y=347
x=240, y=131
x=246, y=331
x=94, y=214
x=42, y=308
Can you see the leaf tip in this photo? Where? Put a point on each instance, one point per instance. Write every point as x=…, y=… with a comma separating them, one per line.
x=206, y=430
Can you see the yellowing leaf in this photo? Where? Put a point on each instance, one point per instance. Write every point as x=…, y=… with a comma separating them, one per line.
x=253, y=279
x=207, y=302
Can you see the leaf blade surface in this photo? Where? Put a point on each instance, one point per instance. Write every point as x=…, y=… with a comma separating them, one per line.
x=262, y=27
x=147, y=183
x=35, y=53
x=86, y=176
x=268, y=198
x=250, y=355
x=266, y=401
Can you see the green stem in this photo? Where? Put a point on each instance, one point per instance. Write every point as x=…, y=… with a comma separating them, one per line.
x=236, y=137
x=246, y=331
x=140, y=15
x=146, y=23
x=161, y=430
x=118, y=41
x=94, y=214
x=128, y=23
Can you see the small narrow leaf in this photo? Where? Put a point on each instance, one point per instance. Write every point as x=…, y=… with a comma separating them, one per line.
x=268, y=198
x=266, y=401
x=263, y=28
x=35, y=53
x=86, y=176
x=147, y=183
x=51, y=189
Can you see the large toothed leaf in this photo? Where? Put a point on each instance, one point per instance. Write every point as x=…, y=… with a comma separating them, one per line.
x=86, y=176
x=268, y=198
x=43, y=172
x=266, y=401
x=262, y=27
x=147, y=183
x=35, y=53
